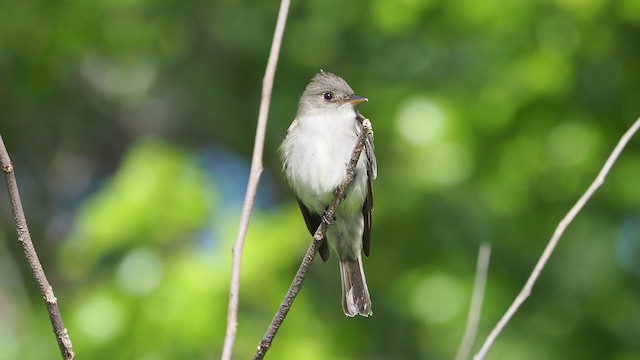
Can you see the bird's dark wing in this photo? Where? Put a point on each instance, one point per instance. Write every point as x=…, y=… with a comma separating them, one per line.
x=313, y=221
x=372, y=173
x=367, y=212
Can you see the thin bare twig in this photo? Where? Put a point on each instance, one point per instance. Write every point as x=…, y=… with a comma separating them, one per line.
x=296, y=284
x=254, y=178
x=475, y=308
x=526, y=290
x=24, y=237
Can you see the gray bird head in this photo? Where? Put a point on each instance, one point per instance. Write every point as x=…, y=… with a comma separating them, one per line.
x=327, y=91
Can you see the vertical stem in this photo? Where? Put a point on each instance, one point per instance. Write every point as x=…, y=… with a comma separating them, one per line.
x=24, y=237
x=475, y=308
x=254, y=178
x=560, y=229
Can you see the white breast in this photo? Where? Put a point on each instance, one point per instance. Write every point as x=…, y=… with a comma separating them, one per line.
x=316, y=152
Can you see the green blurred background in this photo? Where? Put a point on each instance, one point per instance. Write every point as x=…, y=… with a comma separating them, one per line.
x=131, y=124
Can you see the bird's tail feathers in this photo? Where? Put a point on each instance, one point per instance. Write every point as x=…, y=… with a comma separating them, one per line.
x=355, y=294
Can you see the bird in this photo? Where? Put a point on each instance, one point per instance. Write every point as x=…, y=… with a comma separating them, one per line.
x=314, y=154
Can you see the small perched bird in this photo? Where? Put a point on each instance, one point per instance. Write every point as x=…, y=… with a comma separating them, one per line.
x=315, y=151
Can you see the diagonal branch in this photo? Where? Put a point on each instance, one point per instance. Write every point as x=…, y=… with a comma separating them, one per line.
x=24, y=237
x=475, y=308
x=254, y=178
x=296, y=284
x=562, y=226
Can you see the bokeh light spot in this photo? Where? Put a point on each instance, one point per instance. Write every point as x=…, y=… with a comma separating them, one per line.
x=438, y=298
x=398, y=16
x=126, y=80
x=445, y=164
x=572, y=143
x=420, y=121
x=559, y=35
x=139, y=272
x=100, y=318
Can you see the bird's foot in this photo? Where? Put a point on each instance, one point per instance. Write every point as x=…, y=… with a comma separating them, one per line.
x=327, y=220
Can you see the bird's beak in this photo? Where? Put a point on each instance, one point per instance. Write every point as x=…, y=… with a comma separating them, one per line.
x=355, y=99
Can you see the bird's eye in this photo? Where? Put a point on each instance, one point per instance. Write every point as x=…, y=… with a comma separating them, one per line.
x=327, y=96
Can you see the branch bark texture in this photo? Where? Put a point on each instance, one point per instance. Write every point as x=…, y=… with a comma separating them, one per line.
x=296, y=284
x=24, y=238
x=254, y=178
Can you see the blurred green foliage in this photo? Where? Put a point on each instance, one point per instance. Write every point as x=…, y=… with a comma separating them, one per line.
x=130, y=124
